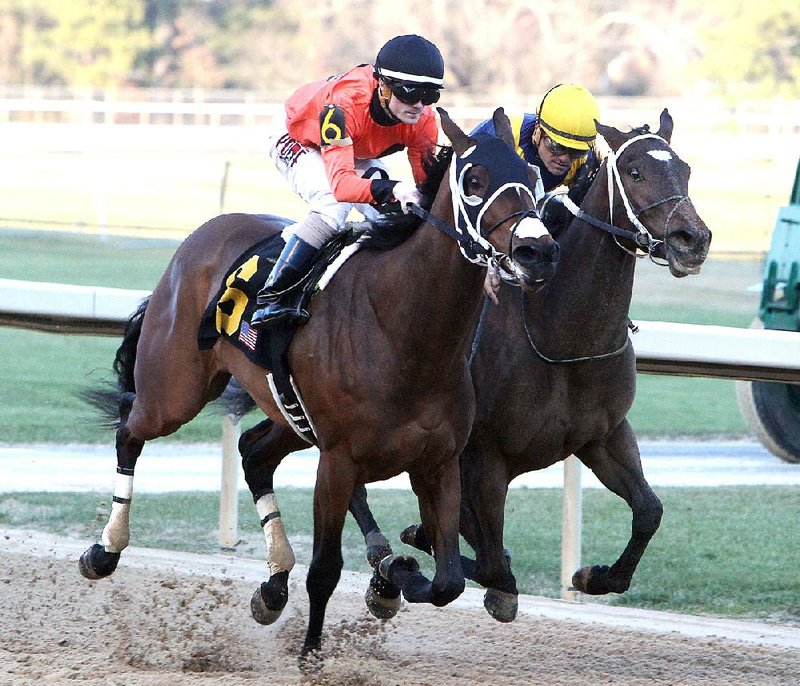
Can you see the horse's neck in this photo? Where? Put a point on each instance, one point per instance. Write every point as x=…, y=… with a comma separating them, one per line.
x=584, y=308
x=435, y=296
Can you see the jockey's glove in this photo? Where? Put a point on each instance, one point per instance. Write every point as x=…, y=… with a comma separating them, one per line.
x=406, y=194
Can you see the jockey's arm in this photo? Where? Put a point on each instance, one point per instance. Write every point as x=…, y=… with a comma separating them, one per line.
x=346, y=185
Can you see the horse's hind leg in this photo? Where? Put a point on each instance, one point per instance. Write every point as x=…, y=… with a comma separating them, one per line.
x=377, y=544
x=382, y=596
x=101, y=560
x=262, y=448
x=617, y=464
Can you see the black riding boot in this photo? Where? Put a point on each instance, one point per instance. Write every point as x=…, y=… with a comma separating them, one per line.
x=291, y=265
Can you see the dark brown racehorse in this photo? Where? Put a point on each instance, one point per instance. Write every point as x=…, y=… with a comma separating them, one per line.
x=555, y=372
x=381, y=365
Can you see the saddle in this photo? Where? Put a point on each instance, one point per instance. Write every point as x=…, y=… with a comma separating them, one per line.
x=229, y=311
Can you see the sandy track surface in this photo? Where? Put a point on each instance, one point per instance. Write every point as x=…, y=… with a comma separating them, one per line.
x=169, y=618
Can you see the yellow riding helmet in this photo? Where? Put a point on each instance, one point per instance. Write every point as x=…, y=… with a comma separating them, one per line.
x=567, y=113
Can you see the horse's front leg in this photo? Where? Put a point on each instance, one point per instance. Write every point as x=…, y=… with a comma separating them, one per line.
x=484, y=483
x=101, y=560
x=262, y=448
x=617, y=464
x=439, y=497
x=382, y=596
x=332, y=493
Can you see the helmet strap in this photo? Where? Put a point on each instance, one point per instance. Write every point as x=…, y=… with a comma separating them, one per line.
x=384, y=96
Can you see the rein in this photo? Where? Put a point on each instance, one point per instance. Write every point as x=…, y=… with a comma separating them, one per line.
x=640, y=239
x=445, y=228
x=486, y=255
x=567, y=360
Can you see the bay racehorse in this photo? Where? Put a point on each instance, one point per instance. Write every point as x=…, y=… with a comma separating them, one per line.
x=555, y=371
x=381, y=366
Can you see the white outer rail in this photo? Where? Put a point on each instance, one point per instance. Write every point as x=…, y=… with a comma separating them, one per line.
x=65, y=308
x=661, y=348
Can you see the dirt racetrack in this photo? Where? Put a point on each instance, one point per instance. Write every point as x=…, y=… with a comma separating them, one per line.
x=169, y=618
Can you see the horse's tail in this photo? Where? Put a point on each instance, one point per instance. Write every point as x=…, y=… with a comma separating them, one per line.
x=125, y=358
x=106, y=399
x=235, y=400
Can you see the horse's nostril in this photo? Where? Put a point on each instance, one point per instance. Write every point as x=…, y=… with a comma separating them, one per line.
x=681, y=239
x=687, y=239
x=530, y=254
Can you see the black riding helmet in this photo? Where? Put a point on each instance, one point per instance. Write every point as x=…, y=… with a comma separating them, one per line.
x=412, y=67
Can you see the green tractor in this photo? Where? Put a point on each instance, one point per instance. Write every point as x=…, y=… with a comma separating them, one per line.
x=772, y=409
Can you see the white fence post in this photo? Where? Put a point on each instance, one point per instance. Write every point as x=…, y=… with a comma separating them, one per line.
x=571, y=527
x=229, y=489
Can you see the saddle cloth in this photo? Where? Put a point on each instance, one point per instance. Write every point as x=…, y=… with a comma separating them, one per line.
x=229, y=312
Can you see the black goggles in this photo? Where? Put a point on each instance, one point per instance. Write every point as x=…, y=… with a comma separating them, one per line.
x=411, y=95
x=558, y=150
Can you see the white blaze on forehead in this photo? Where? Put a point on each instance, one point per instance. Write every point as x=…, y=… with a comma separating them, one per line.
x=530, y=227
x=663, y=155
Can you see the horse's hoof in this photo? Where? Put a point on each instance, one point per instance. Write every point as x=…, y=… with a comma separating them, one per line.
x=376, y=553
x=310, y=660
x=414, y=536
x=392, y=564
x=501, y=605
x=96, y=563
x=382, y=597
x=268, y=601
x=377, y=548
x=596, y=580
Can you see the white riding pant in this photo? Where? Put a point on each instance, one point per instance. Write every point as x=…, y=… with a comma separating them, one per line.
x=304, y=170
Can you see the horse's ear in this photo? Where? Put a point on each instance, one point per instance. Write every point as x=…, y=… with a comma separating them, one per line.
x=614, y=137
x=460, y=140
x=665, y=126
x=502, y=127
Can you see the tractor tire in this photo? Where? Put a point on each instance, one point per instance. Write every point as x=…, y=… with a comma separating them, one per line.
x=772, y=412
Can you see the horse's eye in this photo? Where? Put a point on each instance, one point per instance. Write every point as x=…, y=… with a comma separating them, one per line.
x=635, y=175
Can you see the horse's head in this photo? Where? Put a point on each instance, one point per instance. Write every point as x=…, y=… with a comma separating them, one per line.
x=493, y=200
x=651, y=188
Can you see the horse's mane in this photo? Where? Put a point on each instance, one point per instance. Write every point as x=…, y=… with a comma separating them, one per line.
x=390, y=230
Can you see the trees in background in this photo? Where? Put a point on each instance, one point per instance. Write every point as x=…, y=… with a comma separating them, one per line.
x=491, y=47
x=87, y=43
x=751, y=48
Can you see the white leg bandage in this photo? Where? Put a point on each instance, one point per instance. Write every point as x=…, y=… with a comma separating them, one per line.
x=117, y=533
x=280, y=556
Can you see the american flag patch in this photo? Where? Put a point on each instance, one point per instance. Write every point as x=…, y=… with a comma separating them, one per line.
x=248, y=335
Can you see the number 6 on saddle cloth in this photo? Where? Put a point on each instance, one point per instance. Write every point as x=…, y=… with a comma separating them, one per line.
x=228, y=314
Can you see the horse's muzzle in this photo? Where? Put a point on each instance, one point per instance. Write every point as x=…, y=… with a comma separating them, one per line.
x=535, y=259
x=687, y=248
